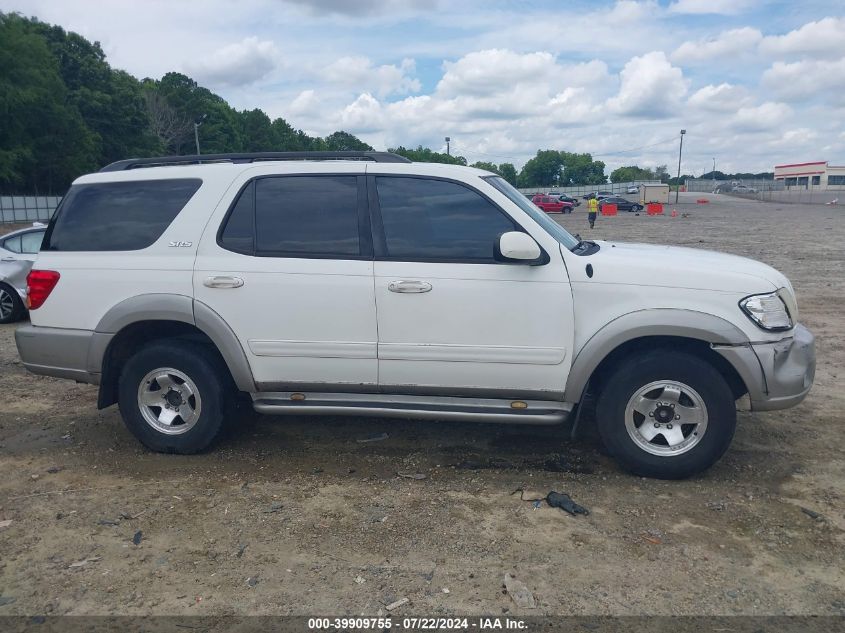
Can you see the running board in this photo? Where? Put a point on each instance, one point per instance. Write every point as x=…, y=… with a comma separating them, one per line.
x=417, y=407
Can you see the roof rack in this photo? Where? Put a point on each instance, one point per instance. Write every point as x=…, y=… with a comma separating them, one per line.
x=198, y=159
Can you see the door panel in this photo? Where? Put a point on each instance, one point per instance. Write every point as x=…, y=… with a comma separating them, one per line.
x=299, y=319
x=481, y=324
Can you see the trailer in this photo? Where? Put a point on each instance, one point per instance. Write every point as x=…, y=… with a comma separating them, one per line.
x=654, y=193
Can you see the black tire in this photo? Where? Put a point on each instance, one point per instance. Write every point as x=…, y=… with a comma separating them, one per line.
x=633, y=374
x=207, y=373
x=11, y=307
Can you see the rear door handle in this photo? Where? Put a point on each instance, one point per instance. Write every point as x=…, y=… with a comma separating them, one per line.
x=223, y=281
x=406, y=287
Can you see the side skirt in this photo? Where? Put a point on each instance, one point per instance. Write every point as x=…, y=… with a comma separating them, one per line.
x=413, y=406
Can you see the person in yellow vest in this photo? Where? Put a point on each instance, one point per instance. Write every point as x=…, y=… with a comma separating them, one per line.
x=592, y=210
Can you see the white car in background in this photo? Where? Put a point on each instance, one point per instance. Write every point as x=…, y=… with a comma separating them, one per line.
x=18, y=251
x=633, y=189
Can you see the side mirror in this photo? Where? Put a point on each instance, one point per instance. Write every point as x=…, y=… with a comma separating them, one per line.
x=518, y=247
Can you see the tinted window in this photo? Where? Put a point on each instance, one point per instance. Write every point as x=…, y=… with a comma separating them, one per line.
x=435, y=219
x=31, y=242
x=118, y=216
x=239, y=233
x=296, y=216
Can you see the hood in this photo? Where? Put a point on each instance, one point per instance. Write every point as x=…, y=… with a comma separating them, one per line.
x=679, y=267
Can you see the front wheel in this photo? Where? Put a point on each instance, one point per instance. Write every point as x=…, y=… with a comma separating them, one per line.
x=173, y=396
x=666, y=414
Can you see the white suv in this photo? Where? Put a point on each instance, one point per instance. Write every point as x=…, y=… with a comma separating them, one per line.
x=363, y=284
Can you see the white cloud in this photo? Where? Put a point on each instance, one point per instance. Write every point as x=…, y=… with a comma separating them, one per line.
x=768, y=116
x=236, y=64
x=723, y=7
x=363, y=8
x=651, y=87
x=727, y=44
x=722, y=98
x=824, y=38
x=806, y=80
x=360, y=73
x=305, y=102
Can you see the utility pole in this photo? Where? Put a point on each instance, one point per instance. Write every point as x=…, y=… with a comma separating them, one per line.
x=714, y=172
x=197, y=123
x=448, y=139
x=680, y=152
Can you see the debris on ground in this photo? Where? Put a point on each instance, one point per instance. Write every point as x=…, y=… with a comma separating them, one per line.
x=55, y=469
x=136, y=538
x=83, y=562
x=417, y=476
x=397, y=604
x=4, y=600
x=274, y=507
x=108, y=522
x=6, y=523
x=252, y=581
x=556, y=500
x=811, y=513
x=360, y=580
x=241, y=549
x=373, y=438
x=519, y=592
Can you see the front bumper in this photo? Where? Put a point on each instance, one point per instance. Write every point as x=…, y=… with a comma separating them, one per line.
x=777, y=375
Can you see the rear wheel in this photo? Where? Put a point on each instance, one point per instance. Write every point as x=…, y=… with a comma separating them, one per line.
x=173, y=396
x=11, y=306
x=666, y=414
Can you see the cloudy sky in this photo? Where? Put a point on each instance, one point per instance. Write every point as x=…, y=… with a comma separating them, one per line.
x=754, y=83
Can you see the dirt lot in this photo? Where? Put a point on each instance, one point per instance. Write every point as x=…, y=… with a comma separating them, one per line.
x=297, y=516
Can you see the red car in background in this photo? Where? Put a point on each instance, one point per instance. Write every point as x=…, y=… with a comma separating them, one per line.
x=552, y=205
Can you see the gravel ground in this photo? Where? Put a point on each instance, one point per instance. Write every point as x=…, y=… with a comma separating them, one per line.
x=297, y=516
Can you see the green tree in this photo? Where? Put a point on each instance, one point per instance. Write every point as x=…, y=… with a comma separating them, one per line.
x=257, y=132
x=487, y=166
x=344, y=141
x=545, y=169
x=508, y=172
x=631, y=173
x=44, y=142
x=425, y=155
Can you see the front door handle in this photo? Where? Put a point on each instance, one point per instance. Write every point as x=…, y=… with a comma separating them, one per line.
x=406, y=287
x=8, y=259
x=223, y=281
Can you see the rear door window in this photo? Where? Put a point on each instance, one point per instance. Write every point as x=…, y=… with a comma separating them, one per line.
x=296, y=216
x=118, y=216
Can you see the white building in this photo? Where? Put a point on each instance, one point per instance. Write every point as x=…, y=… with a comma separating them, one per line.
x=817, y=175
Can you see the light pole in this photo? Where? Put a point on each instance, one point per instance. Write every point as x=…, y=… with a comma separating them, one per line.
x=680, y=152
x=714, y=173
x=448, y=139
x=197, y=123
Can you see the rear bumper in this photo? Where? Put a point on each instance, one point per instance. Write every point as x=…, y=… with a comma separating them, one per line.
x=57, y=352
x=777, y=375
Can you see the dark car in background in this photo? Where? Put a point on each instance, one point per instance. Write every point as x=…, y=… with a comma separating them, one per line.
x=565, y=198
x=622, y=204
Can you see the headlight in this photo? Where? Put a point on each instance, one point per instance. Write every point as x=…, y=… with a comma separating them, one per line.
x=768, y=311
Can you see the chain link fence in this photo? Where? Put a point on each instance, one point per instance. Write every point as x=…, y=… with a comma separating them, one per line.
x=769, y=191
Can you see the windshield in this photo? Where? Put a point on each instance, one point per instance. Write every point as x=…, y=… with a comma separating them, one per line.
x=550, y=226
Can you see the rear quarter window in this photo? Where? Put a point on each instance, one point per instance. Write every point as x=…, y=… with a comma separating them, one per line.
x=118, y=216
